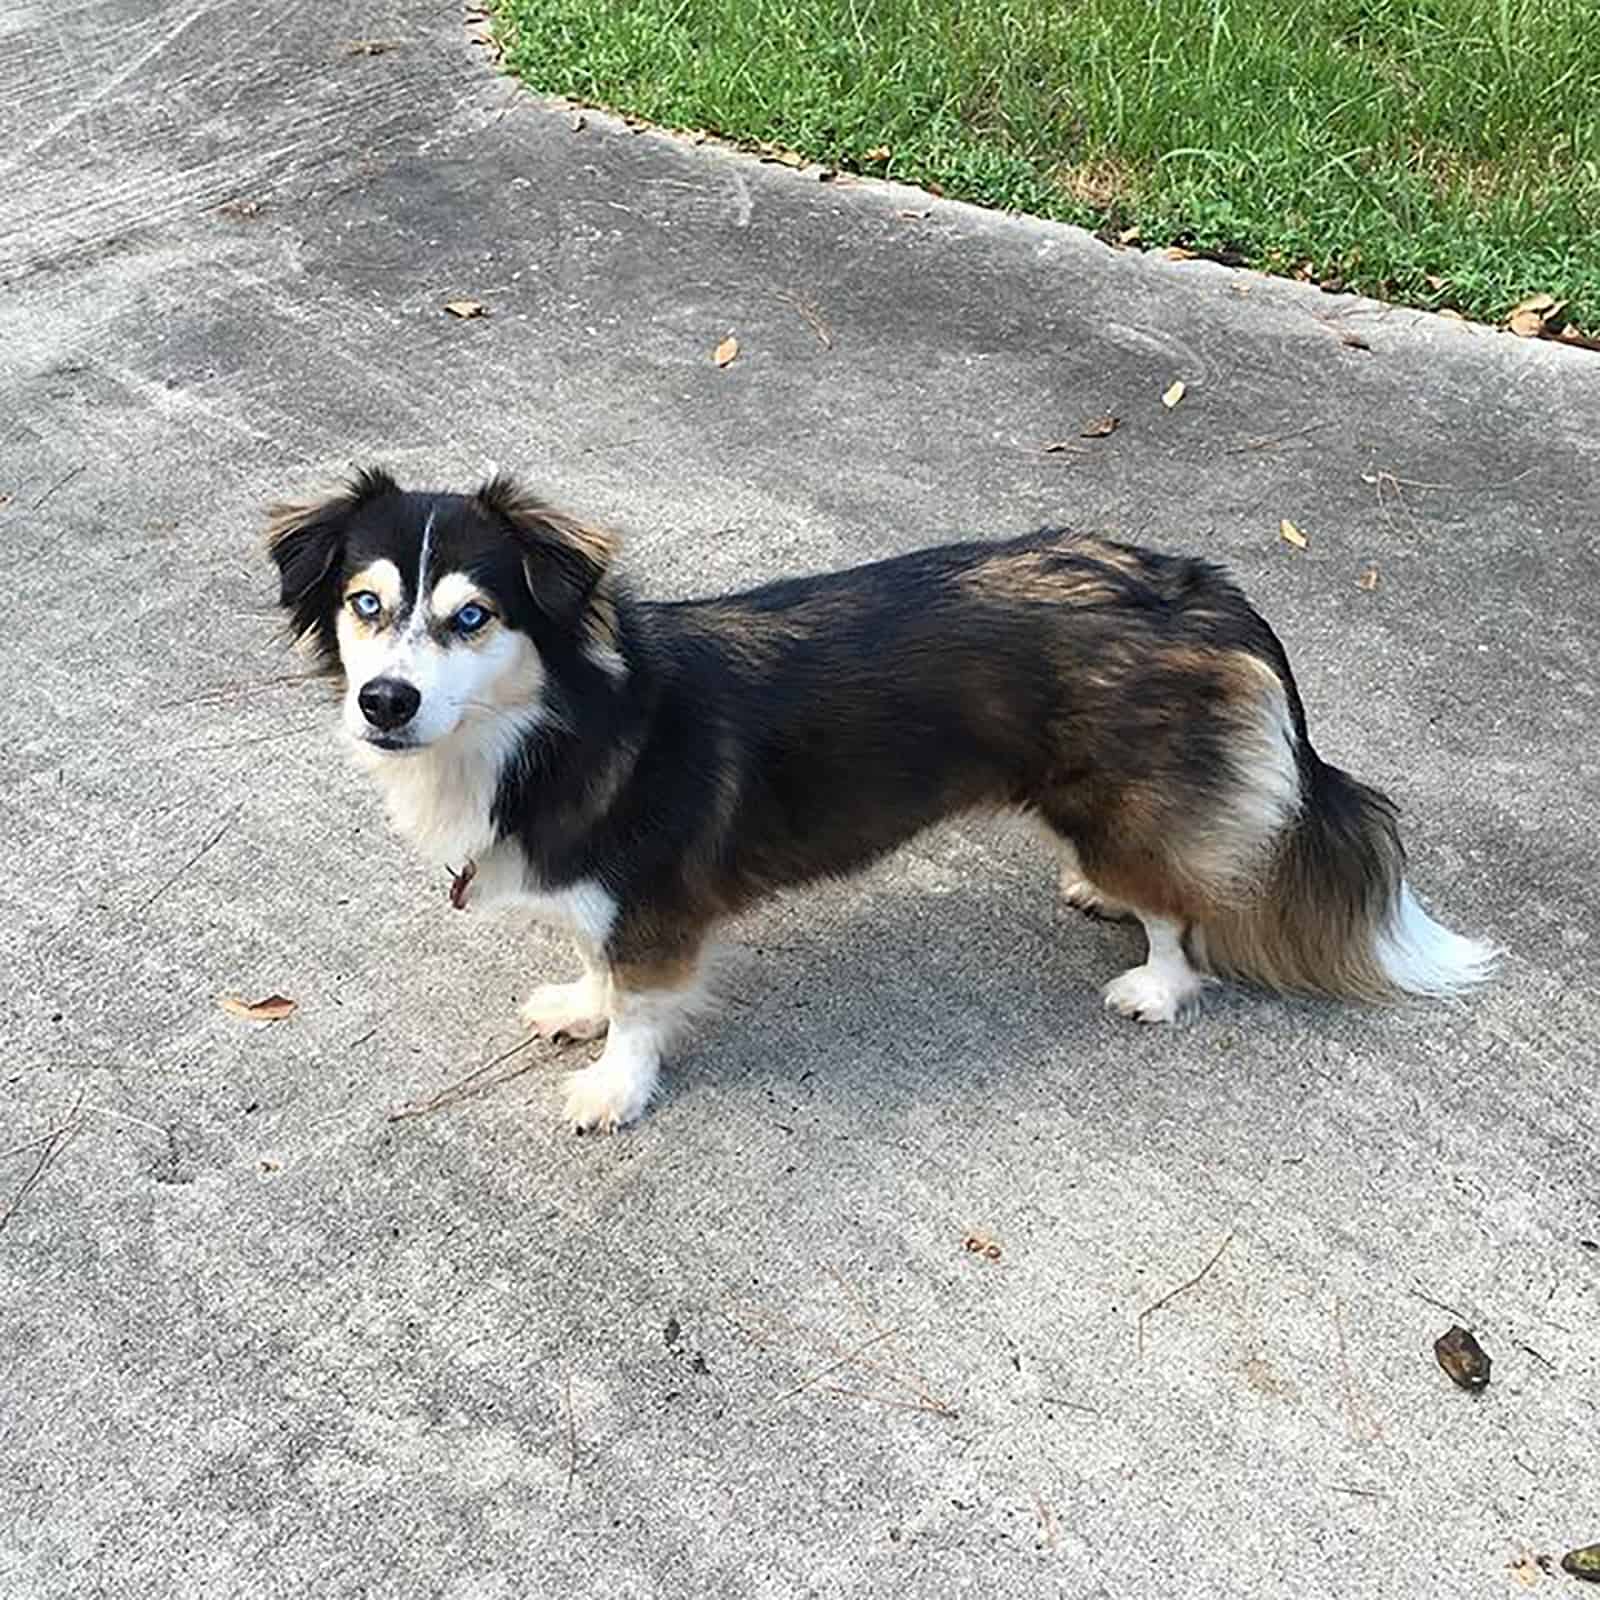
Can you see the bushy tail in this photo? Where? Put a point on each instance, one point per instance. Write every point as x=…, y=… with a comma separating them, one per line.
x=1337, y=916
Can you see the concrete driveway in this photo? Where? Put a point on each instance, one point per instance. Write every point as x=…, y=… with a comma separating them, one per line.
x=258, y=1338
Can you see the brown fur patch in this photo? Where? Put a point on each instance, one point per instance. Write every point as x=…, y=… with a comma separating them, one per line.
x=1038, y=576
x=652, y=974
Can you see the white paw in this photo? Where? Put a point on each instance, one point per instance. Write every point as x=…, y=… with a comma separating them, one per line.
x=1151, y=994
x=1082, y=896
x=565, y=1011
x=609, y=1094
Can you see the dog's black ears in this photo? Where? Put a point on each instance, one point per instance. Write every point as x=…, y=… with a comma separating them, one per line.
x=306, y=540
x=566, y=562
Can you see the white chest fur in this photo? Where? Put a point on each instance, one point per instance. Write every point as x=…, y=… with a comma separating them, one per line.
x=440, y=800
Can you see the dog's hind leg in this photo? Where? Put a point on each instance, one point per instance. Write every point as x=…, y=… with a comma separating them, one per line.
x=1076, y=887
x=1165, y=985
x=570, y=1011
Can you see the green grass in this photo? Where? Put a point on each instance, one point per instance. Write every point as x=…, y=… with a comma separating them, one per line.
x=1437, y=152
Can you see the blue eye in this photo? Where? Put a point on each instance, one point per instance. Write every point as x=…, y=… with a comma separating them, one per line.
x=470, y=617
x=366, y=604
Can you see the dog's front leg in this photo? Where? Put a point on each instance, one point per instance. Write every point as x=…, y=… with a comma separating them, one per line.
x=651, y=1000
x=571, y=1011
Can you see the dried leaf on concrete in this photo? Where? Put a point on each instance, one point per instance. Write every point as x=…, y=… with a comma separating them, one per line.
x=273, y=1009
x=1465, y=1361
x=1368, y=580
x=1173, y=395
x=466, y=308
x=980, y=1244
x=1099, y=427
x=1292, y=535
x=726, y=351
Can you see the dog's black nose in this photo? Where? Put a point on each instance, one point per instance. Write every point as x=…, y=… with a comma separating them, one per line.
x=388, y=702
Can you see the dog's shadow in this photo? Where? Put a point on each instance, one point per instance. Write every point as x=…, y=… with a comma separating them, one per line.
x=886, y=993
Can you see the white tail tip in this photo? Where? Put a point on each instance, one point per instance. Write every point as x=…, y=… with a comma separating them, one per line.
x=1419, y=956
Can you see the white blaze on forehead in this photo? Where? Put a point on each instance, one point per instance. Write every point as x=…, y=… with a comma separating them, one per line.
x=382, y=577
x=452, y=592
x=418, y=620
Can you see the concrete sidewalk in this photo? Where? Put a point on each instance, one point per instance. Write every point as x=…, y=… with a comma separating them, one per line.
x=257, y=1339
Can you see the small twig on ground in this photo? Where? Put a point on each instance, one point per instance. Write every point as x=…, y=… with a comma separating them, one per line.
x=1543, y=1360
x=1071, y=1405
x=55, y=1142
x=809, y=315
x=572, y=1437
x=1361, y=1426
x=1455, y=1311
x=1183, y=1288
x=210, y=843
x=33, y=1144
x=1267, y=441
x=60, y=483
x=914, y=1382
x=241, y=687
x=1367, y=1494
x=829, y=1370
x=933, y=1409
x=462, y=1087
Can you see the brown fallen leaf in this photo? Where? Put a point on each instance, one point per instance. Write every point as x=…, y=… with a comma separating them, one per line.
x=1465, y=1361
x=980, y=1244
x=1583, y=1562
x=273, y=1009
x=371, y=47
x=1292, y=535
x=1099, y=427
x=1062, y=447
x=460, y=882
x=1368, y=580
x=879, y=152
x=1129, y=236
x=1173, y=395
x=241, y=210
x=1526, y=324
x=466, y=309
x=1584, y=341
x=916, y=216
x=726, y=351
x=1177, y=252
x=1354, y=341
x=1543, y=305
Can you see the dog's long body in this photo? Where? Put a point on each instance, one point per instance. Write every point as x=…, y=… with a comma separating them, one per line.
x=639, y=772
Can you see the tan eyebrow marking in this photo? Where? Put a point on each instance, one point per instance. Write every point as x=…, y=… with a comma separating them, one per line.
x=382, y=577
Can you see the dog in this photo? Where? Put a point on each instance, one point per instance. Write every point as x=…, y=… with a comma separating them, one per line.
x=637, y=772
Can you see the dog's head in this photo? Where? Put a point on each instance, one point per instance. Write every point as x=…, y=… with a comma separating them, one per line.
x=444, y=610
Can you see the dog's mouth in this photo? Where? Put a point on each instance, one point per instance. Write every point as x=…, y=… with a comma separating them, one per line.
x=389, y=741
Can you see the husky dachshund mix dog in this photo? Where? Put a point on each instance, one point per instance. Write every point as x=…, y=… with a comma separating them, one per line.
x=637, y=772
